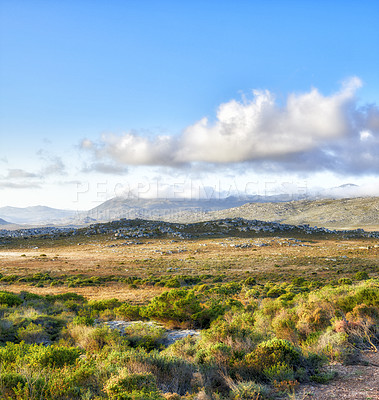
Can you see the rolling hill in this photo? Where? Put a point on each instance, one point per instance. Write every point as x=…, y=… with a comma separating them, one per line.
x=336, y=214
x=349, y=213
x=343, y=213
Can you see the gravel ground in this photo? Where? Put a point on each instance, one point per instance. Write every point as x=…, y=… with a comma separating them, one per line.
x=353, y=382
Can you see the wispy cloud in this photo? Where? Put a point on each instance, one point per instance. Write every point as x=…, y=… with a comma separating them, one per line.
x=17, y=178
x=53, y=165
x=309, y=132
x=16, y=173
x=104, y=168
x=19, y=185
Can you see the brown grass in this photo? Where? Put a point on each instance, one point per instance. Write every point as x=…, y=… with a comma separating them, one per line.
x=280, y=259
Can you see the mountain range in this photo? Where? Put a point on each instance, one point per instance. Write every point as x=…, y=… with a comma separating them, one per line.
x=165, y=209
x=330, y=213
x=39, y=215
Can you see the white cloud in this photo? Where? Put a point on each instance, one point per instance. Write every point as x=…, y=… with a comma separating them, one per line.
x=309, y=132
x=365, y=135
x=105, y=168
x=16, y=173
x=351, y=190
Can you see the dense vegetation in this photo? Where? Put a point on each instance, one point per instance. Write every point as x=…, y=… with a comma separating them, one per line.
x=259, y=340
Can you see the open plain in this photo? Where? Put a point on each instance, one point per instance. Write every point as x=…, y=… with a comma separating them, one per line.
x=222, y=258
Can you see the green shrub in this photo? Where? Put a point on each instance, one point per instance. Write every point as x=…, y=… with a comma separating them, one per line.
x=279, y=372
x=142, y=335
x=33, y=333
x=125, y=386
x=227, y=289
x=298, y=281
x=11, y=352
x=73, y=305
x=368, y=296
x=9, y=299
x=361, y=275
x=55, y=356
x=249, y=391
x=172, y=373
x=10, y=380
x=275, y=292
x=275, y=355
x=128, y=312
x=173, y=283
x=9, y=278
x=177, y=305
x=94, y=339
x=101, y=305
x=235, y=328
x=216, y=354
x=126, y=381
x=363, y=295
x=52, y=325
x=286, y=297
x=323, y=377
x=345, y=281
x=250, y=281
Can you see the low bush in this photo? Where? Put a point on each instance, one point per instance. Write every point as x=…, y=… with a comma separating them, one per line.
x=10, y=299
x=94, y=339
x=9, y=381
x=128, y=385
x=249, y=390
x=101, y=305
x=178, y=306
x=172, y=373
x=128, y=312
x=141, y=335
x=33, y=333
x=54, y=356
x=361, y=275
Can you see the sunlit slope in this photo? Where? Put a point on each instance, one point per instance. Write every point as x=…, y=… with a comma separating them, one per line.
x=345, y=213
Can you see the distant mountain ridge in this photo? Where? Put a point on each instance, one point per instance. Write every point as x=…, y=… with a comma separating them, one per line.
x=341, y=213
x=35, y=215
x=329, y=213
x=168, y=209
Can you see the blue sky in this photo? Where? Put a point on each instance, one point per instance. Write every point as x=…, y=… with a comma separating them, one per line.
x=98, y=98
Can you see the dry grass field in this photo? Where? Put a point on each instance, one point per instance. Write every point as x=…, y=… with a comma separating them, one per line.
x=323, y=258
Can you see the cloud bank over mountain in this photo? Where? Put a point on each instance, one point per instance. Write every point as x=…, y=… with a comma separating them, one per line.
x=309, y=132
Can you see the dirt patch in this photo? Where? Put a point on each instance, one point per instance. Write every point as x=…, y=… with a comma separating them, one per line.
x=353, y=382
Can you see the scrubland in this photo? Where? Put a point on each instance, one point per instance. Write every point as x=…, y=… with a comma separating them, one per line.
x=273, y=313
